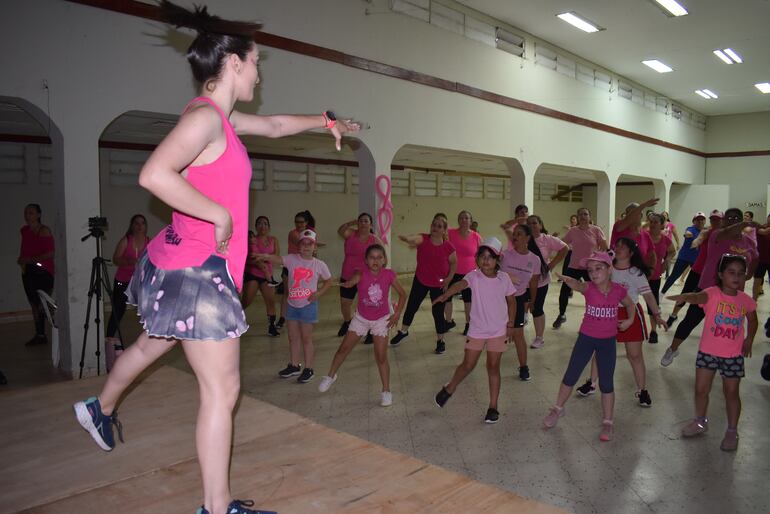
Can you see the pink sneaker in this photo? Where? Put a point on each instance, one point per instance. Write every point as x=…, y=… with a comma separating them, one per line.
x=607, y=431
x=553, y=416
x=695, y=427
x=537, y=343
x=730, y=441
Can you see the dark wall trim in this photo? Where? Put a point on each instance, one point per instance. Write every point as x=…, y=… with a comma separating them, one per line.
x=18, y=138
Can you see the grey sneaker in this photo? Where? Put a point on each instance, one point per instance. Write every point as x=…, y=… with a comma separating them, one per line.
x=695, y=427
x=668, y=357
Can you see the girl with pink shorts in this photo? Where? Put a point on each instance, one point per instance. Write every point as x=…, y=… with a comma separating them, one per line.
x=373, y=315
x=492, y=314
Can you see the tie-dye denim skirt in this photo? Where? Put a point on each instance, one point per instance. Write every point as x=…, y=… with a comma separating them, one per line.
x=196, y=303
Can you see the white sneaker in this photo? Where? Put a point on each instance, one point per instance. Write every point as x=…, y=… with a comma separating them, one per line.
x=537, y=342
x=326, y=383
x=386, y=398
x=668, y=357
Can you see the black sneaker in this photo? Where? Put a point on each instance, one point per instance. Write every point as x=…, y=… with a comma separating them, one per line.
x=559, y=321
x=644, y=398
x=440, y=347
x=239, y=507
x=670, y=321
x=767, y=327
x=492, y=416
x=369, y=338
x=306, y=376
x=398, y=338
x=280, y=323
x=343, y=329
x=449, y=325
x=586, y=389
x=3, y=380
x=272, y=331
x=765, y=371
x=442, y=397
x=653, y=339
x=38, y=339
x=290, y=370
x=467, y=326
x=524, y=373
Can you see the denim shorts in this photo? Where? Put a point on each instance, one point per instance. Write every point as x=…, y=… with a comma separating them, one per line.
x=306, y=314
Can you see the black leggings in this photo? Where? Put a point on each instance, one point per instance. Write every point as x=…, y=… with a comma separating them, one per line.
x=537, y=307
x=565, y=289
x=690, y=285
x=655, y=290
x=118, y=307
x=692, y=319
x=679, y=267
x=416, y=296
x=37, y=278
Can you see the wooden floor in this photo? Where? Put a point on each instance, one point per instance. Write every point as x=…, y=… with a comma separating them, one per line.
x=283, y=461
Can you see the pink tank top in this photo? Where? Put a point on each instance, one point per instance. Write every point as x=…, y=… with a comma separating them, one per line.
x=123, y=273
x=258, y=247
x=292, y=247
x=33, y=245
x=355, y=251
x=189, y=241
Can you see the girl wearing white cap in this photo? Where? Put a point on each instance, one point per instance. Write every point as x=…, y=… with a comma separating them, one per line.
x=491, y=322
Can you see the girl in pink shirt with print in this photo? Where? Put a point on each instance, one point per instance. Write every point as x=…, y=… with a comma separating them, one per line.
x=492, y=314
x=723, y=344
x=373, y=316
x=597, y=335
x=524, y=263
x=466, y=242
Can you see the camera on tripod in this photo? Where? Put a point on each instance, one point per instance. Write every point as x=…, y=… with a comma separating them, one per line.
x=97, y=225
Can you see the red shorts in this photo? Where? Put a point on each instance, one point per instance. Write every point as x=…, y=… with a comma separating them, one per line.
x=638, y=330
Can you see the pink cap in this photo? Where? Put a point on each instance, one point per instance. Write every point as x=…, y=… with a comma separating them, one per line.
x=307, y=234
x=716, y=214
x=603, y=257
x=699, y=214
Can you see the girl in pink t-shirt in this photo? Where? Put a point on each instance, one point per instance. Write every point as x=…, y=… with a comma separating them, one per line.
x=466, y=242
x=723, y=344
x=492, y=314
x=597, y=335
x=553, y=250
x=373, y=316
x=525, y=264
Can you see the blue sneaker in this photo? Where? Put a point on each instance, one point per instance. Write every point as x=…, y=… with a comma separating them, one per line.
x=91, y=418
x=239, y=507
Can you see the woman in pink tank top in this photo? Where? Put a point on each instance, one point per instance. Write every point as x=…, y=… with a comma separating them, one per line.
x=126, y=255
x=466, y=242
x=37, y=269
x=186, y=284
x=358, y=235
x=259, y=274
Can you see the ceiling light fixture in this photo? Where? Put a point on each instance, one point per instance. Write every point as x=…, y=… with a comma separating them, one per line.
x=671, y=7
x=710, y=93
x=729, y=56
x=701, y=93
x=763, y=86
x=579, y=22
x=658, y=66
x=723, y=56
x=734, y=56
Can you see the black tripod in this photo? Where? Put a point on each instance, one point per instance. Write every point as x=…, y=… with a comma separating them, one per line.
x=99, y=279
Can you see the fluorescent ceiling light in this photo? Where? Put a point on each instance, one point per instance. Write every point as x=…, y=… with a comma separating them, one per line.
x=710, y=93
x=723, y=56
x=735, y=57
x=672, y=7
x=579, y=22
x=763, y=86
x=658, y=66
x=704, y=95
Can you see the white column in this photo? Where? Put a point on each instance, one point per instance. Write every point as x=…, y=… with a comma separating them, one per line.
x=522, y=186
x=662, y=189
x=605, y=202
x=374, y=191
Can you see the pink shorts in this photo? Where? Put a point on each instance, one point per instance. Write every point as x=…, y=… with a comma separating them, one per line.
x=493, y=344
x=361, y=325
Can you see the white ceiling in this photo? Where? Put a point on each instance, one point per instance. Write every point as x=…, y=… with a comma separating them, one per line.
x=637, y=30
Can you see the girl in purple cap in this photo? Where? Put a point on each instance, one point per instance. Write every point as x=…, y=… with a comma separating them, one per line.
x=597, y=335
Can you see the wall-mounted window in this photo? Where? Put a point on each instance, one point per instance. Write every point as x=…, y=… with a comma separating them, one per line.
x=452, y=186
x=290, y=176
x=330, y=179
x=45, y=164
x=473, y=187
x=125, y=166
x=399, y=183
x=494, y=188
x=257, y=175
x=12, y=164
x=425, y=184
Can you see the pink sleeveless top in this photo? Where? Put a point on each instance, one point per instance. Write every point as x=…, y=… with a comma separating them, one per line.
x=123, y=273
x=33, y=245
x=258, y=247
x=189, y=241
x=355, y=252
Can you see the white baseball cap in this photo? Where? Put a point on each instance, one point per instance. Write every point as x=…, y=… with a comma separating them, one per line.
x=493, y=244
x=307, y=234
x=699, y=214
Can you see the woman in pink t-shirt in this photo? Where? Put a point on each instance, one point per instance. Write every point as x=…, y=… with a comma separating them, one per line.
x=662, y=251
x=373, y=317
x=493, y=314
x=466, y=243
x=187, y=283
x=259, y=274
x=723, y=344
x=436, y=264
x=584, y=239
x=596, y=336
x=525, y=264
x=358, y=235
x=553, y=250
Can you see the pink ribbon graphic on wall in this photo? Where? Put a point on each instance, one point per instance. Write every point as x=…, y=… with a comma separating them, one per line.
x=385, y=212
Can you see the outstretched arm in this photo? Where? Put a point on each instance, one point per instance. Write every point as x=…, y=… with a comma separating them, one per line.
x=697, y=298
x=280, y=125
x=451, y=291
x=413, y=240
x=269, y=257
x=573, y=283
x=352, y=281
x=625, y=223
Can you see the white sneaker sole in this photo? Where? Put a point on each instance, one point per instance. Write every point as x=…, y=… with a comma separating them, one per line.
x=84, y=418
